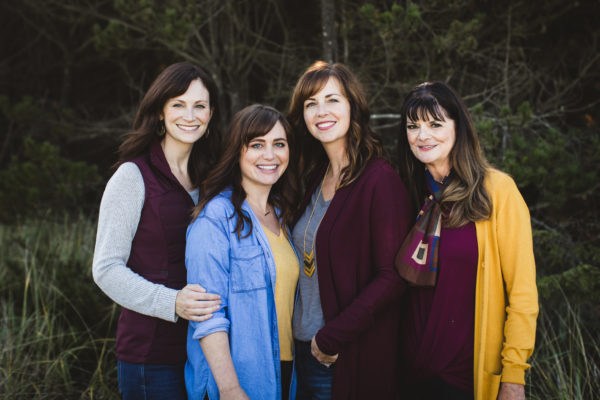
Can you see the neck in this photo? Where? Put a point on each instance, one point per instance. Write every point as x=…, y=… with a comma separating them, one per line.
x=177, y=154
x=439, y=172
x=338, y=158
x=257, y=196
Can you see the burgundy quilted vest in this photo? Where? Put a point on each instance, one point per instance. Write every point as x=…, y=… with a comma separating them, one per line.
x=157, y=254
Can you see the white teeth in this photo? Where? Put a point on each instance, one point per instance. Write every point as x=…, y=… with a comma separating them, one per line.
x=188, y=127
x=267, y=167
x=325, y=125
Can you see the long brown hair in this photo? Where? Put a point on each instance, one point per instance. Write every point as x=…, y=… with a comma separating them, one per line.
x=251, y=122
x=362, y=143
x=465, y=197
x=174, y=81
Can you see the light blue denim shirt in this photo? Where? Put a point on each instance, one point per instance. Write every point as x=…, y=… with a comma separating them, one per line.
x=242, y=272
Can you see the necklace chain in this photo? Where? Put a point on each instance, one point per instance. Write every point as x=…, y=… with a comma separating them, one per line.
x=309, y=259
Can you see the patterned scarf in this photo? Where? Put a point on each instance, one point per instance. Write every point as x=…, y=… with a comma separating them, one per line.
x=417, y=259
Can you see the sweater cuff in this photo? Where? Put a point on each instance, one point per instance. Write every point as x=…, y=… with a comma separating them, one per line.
x=326, y=344
x=513, y=374
x=166, y=307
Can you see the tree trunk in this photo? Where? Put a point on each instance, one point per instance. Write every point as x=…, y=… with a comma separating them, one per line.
x=328, y=27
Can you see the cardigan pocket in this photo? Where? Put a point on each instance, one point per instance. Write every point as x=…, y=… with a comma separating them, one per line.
x=491, y=385
x=248, y=267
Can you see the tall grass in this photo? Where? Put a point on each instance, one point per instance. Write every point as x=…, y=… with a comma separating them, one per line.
x=57, y=328
x=566, y=361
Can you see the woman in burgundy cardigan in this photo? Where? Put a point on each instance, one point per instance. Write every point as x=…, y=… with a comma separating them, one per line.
x=354, y=216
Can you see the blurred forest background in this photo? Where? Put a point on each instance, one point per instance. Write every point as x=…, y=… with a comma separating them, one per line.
x=73, y=71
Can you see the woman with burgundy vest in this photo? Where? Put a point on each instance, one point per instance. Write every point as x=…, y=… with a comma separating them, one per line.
x=140, y=244
x=355, y=215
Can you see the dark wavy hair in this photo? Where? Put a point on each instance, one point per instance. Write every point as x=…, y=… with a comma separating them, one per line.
x=251, y=122
x=174, y=81
x=465, y=199
x=362, y=142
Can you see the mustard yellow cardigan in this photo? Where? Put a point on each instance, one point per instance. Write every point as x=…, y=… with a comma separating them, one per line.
x=506, y=299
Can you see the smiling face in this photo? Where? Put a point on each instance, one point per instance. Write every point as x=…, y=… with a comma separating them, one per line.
x=327, y=114
x=186, y=117
x=265, y=159
x=431, y=140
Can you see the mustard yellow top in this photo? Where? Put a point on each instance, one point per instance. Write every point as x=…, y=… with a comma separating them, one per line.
x=287, y=271
x=506, y=299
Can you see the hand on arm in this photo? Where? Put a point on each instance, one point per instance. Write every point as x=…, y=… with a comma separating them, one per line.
x=216, y=350
x=194, y=304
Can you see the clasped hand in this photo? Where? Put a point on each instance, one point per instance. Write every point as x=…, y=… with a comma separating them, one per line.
x=323, y=358
x=194, y=304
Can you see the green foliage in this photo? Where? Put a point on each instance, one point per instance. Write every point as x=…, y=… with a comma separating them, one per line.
x=580, y=284
x=39, y=180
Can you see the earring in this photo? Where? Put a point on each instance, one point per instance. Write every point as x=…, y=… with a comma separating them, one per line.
x=162, y=130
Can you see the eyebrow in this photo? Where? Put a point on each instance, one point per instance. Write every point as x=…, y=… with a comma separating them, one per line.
x=197, y=101
x=326, y=96
x=260, y=139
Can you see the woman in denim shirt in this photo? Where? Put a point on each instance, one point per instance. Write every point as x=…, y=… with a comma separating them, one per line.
x=238, y=247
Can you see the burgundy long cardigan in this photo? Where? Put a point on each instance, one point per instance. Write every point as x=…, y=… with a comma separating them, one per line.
x=360, y=290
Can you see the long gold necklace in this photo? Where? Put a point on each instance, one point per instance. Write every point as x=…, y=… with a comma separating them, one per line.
x=309, y=259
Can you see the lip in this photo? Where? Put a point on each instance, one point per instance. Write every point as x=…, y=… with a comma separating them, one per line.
x=268, y=168
x=188, y=128
x=427, y=147
x=324, y=125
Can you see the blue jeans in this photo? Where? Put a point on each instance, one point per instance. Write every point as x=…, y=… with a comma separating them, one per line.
x=151, y=381
x=314, y=379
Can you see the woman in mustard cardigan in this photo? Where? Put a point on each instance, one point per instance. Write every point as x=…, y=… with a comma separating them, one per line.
x=469, y=325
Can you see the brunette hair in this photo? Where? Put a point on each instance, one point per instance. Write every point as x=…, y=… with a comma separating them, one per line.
x=465, y=198
x=251, y=122
x=362, y=143
x=174, y=81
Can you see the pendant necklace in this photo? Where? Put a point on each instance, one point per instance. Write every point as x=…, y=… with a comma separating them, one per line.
x=309, y=259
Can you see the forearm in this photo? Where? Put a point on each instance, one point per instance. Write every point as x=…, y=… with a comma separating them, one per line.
x=134, y=292
x=360, y=314
x=515, y=248
x=216, y=350
x=389, y=221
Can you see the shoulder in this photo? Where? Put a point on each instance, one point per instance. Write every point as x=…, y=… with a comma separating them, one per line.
x=127, y=171
x=379, y=170
x=218, y=207
x=126, y=179
x=499, y=183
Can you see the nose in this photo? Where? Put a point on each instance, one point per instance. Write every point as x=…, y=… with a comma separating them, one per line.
x=189, y=114
x=321, y=109
x=269, y=154
x=423, y=132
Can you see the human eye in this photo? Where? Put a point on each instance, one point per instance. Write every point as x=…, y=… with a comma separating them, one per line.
x=176, y=105
x=200, y=106
x=411, y=125
x=256, y=145
x=435, y=124
x=309, y=104
x=281, y=145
